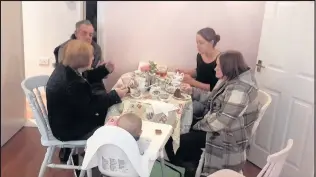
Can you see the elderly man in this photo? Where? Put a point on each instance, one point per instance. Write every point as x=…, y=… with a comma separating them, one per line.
x=84, y=31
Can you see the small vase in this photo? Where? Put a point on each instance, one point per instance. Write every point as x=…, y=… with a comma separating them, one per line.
x=150, y=78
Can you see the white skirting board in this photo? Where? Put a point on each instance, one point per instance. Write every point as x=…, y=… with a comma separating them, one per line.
x=30, y=123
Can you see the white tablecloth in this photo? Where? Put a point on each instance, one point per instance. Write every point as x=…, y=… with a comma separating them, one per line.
x=180, y=119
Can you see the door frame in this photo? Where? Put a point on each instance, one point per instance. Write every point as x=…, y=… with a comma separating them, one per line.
x=100, y=29
x=83, y=16
x=83, y=9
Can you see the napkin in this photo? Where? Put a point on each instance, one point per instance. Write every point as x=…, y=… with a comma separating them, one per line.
x=161, y=107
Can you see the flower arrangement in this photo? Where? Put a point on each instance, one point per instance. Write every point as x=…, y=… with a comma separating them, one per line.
x=151, y=68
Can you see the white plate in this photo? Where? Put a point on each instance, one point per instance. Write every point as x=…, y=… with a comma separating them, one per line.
x=164, y=98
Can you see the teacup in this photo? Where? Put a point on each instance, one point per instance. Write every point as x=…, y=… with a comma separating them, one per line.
x=176, y=83
x=133, y=91
x=185, y=88
x=136, y=92
x=143, y=89
x=170, y=89
x=141, y=81
x=154, y=92
x=164, y=97
x=162, y=71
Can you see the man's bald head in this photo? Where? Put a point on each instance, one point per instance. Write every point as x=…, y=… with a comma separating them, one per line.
x=131, y=123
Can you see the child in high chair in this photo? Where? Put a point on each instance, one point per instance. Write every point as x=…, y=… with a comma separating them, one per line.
x=131, y=123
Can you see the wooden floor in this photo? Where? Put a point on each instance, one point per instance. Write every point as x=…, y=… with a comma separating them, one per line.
x=23, y=154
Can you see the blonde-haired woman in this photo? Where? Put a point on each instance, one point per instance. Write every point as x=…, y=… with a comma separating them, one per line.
x=74, y=110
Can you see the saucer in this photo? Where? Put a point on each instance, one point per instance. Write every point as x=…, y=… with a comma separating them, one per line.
x=136, y=97
x=154, y=92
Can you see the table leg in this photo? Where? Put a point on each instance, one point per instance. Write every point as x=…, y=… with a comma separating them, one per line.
x=89, y=172
x=162, y=162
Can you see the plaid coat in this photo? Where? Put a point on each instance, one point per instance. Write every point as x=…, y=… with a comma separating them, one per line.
x=231, y=109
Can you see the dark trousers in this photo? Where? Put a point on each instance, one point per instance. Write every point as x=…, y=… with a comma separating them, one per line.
x=190, y=147
x=65, y=152
x=189, y=152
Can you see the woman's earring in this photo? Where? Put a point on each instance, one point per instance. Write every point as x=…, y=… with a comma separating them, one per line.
x=212, y=42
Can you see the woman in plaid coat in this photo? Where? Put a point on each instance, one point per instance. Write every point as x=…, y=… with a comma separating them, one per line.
x=229, y=114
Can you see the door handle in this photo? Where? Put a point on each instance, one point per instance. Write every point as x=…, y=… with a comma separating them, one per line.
x=259, y=66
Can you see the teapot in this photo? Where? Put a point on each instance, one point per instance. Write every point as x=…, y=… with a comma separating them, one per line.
x=178, y=76
x=177, y=79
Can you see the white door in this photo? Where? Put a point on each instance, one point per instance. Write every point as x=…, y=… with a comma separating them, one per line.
x=287, y=51
x=12, y=70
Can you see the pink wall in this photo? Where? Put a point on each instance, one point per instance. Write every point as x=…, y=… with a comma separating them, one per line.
x=165, y=31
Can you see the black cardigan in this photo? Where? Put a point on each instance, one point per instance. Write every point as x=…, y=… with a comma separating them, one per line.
x=73, y=109
x=98, y=86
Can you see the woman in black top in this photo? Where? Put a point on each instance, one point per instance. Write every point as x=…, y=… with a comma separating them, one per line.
x=189, y=152
x=204, y=73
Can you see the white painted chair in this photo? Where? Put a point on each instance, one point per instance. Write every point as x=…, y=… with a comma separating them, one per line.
x=29, y=85
x=273, y=167
x=263, y=99
x=201, y=163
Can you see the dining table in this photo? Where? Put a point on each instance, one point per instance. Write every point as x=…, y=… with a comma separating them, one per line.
x=180, y=118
